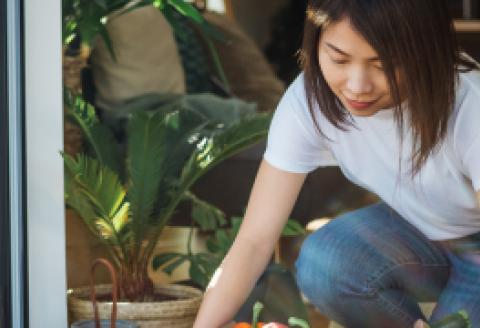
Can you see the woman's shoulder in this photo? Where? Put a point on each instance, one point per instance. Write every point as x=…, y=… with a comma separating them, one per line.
x=296, y=96
x=466, y=116
x=467, y=94
x=470, y=82
x=468, y=91
x=296, y=89
x=294, y=100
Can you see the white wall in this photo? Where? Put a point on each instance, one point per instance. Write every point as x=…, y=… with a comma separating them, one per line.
x=44, y=140
x=216, y=5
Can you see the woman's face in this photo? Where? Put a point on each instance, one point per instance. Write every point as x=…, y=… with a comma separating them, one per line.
x=352, y=70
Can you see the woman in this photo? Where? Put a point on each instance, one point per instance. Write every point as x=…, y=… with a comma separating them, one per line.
x=386, y=95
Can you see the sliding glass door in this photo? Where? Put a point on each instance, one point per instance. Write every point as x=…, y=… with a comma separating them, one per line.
x=13, y=291
x=5, y=304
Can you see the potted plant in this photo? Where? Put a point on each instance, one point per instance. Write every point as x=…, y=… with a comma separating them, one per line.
x=85, y=20
x=126, y=191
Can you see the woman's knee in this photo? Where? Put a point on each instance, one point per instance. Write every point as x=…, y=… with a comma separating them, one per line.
x=337, y=260
x=317, y=266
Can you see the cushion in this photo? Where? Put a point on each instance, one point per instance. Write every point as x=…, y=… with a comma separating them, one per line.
x=147, y=58
x=250, y=75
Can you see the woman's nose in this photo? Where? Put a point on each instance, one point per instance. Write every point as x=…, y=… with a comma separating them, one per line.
x=359, y=83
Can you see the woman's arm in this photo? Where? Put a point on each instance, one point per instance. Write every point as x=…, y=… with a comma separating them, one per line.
x=272, y=198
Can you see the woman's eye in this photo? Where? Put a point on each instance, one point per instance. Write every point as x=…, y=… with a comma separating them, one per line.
x=339, y=61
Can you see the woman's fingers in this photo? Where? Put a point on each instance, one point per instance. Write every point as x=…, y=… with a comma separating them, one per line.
x=420, y=324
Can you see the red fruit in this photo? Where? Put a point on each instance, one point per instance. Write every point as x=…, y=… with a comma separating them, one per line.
x=275, y=325
x=248, y=325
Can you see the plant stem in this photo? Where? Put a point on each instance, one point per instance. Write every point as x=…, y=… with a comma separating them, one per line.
x=189, y=242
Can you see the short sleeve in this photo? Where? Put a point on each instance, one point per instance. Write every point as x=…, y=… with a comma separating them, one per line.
x=467, y=129
x=294, y=143
x=471, y=161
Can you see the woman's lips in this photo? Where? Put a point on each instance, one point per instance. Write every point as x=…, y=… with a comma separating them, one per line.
x=360, y=104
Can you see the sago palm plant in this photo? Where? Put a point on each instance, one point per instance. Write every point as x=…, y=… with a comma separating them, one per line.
x=126, y=192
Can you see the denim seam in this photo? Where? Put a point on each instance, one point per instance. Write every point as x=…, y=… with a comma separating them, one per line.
x=397, y=308
x=380, y=274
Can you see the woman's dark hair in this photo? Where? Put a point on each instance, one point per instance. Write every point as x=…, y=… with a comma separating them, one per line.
x=415, y=37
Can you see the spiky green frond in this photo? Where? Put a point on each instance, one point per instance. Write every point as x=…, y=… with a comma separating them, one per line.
x=79, y=202
x=101, y=141
x=146, y=153
x=223, y=144
x=97, y=194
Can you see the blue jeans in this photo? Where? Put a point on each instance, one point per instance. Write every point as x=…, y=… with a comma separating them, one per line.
x=370, y=267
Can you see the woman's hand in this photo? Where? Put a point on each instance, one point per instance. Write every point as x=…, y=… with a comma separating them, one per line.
x=420, y=324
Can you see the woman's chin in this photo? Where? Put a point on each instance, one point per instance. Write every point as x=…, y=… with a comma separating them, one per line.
x=362, y=112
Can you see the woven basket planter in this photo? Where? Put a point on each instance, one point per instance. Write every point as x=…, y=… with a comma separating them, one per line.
x=166, y=314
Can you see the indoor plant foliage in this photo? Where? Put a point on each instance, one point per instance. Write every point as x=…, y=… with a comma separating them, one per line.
x=127, y=192
x=84, y=20
x=211, y=220
x=87, y=18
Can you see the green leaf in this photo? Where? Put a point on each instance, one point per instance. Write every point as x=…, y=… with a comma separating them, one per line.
x=223, y=144
x=102, y=4
x=205, y=214
x=78, y=201
x=146, y=152
x=198, y=273
x=187, y=10
x=223, y=240
x=134, y=6
x=100, y=139
x=203, y=218
x=100, y=184
x=121, y=218
x=209, y=263
x=107, y=149
x=160, y=4
x=96, y=193
x=169, y=14
x=293, y=228
x=108, y=42
x=236, y=223
x=212, y=246
x=174, y=260
x=212, y=31
x=297, y=322
x=175, y=264
x=164, y=258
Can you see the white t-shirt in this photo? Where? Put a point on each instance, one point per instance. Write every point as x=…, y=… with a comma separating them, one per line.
x=440, y=201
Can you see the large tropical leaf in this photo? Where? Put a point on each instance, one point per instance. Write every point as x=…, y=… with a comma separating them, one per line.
x=220, y=111
x=206, y=215
x=199, y=107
